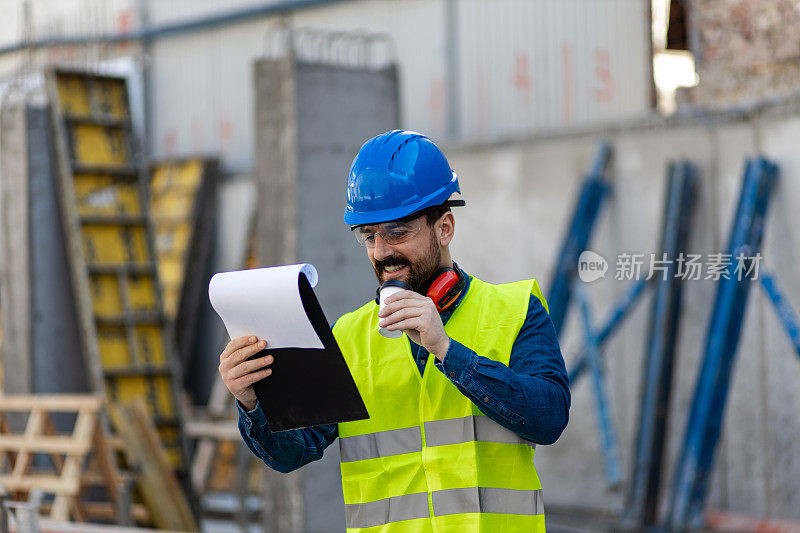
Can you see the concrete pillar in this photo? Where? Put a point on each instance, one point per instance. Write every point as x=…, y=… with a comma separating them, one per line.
x=311, y=120
x=41, y=349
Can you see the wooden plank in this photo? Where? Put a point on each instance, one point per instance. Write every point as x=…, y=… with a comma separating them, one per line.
x=59, y=403
x=32, y=431
x=106, y=465
x=160, y=488
x=57, y=444
x=106, y=511
x=49, y=526
x=219, y=404
x=221, y=430
x=48, y=483
x=61, y=507
x=50, y=431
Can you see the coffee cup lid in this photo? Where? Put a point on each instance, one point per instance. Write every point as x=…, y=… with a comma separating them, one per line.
x=396, y=283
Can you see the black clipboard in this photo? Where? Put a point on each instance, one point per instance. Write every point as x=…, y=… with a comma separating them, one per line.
x=309, y=386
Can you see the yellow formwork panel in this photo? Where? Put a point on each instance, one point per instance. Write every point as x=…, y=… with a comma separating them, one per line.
x=106, y=195
x=149, y=344
x=96, y=141
x=171, y=439
x=74, y=95
x=170, y=274
x=106, y=298
x=155, y=390
x=182, y=176
x=172, y=206
x=98, y=145
x=142, y=293
x=172, y=240
x=114, y=244
x=113, y=346
x=171, y=270
x=111, y=97
x=174, y=187
x=83, y=96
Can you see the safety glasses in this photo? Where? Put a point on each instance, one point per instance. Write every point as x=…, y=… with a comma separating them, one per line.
x=395, y=232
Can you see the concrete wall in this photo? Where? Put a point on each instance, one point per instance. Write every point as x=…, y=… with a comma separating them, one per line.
x=519, y=197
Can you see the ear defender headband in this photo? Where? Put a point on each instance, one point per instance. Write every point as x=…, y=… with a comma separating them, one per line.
x=445, y=287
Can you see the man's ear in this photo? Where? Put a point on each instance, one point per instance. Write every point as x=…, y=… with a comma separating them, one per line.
x=445, y=228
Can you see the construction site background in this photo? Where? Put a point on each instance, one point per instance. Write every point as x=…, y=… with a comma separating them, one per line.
x=518, y=94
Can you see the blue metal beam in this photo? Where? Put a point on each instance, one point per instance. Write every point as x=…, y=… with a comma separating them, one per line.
x=602, y=404
x=584, y=216
x=662, y=335
x=617, y=315
x=173, y=29
x=784, y=309
x=704, y=424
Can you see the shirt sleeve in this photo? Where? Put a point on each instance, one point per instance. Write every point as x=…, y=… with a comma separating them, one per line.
x=283, y=451
x=531, y=395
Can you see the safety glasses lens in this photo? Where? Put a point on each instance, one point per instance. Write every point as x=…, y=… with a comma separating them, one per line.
x=391, y=232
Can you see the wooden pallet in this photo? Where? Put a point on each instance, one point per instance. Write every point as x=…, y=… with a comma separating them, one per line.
x=38, y=456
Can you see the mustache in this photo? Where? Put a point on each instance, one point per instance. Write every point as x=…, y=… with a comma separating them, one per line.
x=391, y=261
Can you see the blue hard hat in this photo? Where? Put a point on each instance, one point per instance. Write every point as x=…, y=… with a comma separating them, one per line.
x=395, y=175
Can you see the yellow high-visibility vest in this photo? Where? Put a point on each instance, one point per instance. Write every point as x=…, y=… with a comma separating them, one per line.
x=427, y=459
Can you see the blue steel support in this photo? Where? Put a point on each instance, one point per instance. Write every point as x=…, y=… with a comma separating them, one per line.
x=602, y=403
x=615, y=318
x=690, y=482
x=784, y=309
x=662, y=336
x=584, y=216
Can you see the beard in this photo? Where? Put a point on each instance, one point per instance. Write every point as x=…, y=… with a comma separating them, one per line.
x=419, y=272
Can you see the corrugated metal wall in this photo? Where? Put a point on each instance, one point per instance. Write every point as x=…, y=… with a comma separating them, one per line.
x=521, y=66
x=470, y=69
x=545, y=64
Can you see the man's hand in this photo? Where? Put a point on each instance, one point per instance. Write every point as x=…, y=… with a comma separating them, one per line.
x=238, y=373
x=417, y=316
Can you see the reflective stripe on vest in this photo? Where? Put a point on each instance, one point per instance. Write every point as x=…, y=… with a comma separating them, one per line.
x=487, y=500
x=437, y=433
x=381, y=444
x=445, y=502
x=394, y=509
x=469, y=428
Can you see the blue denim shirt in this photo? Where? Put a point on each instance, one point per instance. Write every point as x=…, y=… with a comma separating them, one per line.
x=530, y=396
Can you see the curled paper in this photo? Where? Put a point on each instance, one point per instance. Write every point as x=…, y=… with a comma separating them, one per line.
x=267, y=303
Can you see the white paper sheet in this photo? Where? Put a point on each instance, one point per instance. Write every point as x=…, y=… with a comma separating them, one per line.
x=265, y=302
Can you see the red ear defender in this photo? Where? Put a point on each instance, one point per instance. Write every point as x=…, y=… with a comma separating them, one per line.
x=445, y=288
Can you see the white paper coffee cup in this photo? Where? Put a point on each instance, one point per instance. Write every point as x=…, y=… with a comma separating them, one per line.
x=387, y=289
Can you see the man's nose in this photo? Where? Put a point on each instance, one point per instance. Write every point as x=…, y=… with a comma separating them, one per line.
x=382, y=248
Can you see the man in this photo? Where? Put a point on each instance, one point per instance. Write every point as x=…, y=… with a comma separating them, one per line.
x=449, y=443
